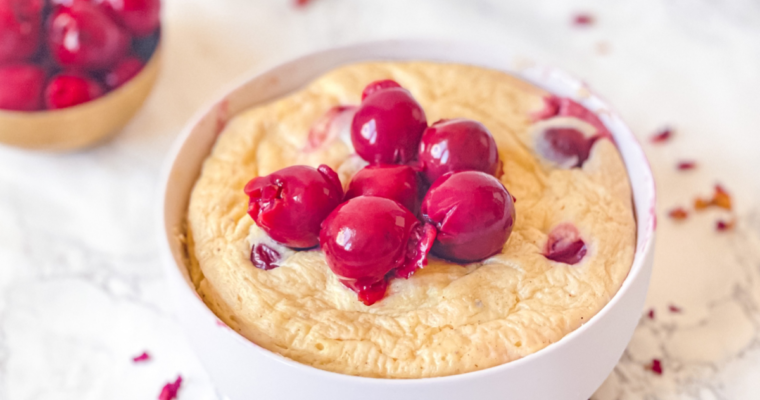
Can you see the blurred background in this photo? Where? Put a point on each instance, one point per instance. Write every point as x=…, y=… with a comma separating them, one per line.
x=81, y=288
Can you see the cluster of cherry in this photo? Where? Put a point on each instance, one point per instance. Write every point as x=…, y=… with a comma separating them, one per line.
x=427, y=189
x=60, y=53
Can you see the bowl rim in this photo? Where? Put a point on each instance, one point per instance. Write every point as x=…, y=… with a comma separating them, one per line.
x=155, y=57
x=643, y=244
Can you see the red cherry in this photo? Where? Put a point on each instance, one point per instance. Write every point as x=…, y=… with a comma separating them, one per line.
x=125, y=70
x=291, y=203
x=367, y=238
x=140, y=17
x=377, y=86
x=395, y=182
x=567, y=147
x=457, y=145
x=474, y=215
x=80, y=35
x=387, y=127
x=565, y=245
x=21, y=87
x=71, y=89
x=20, y=29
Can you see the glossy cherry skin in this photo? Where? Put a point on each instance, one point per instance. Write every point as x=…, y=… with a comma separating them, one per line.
x=291, y=203
x=81, y=35
x=367, y=238
x=379, y=85
x=122, y=72
x=474, y=215
x=20, y=29
x=387, y=127
x=71, y=89
x=140, y=17
x=395, y=182
x=457, y=145
x=21, y=87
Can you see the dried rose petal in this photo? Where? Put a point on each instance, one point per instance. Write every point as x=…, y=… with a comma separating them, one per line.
x=720, y=198
x=674, y=309
x=686, y=165
x=583, y=19
x=650, y=314
x=723, y=226
x=678, y=214
x=663, y=136
x=142, y=357
x=169, y=392
x=655, y=366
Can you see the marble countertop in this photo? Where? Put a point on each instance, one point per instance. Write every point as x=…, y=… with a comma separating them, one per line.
x=81, y=288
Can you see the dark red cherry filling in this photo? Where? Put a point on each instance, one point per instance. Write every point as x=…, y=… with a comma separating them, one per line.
x=474, y=215
x=387, y=127
x=395, y=182
x=330, y=126
x=565, y=245
x=567, y=147
x=379, y=85
x=291, y=203
x=20, y=29
x=264, y=257
x=21, y=87
x=555, y=106
x=457, y=145
x=367, y=239
x=80, y=35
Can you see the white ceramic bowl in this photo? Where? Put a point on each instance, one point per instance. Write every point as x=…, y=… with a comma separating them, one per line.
x=571, y=369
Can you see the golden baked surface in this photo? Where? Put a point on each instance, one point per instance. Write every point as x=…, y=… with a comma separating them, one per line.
x=447, y=319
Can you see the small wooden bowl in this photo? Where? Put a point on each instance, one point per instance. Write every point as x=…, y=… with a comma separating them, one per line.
x=83, y=125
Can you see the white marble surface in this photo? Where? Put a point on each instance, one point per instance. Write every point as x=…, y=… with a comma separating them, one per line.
x=81, y=289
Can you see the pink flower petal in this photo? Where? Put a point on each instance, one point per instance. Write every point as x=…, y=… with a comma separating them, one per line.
x=662, y=136
x=142, y=357
x=655, y=366
x=583, y=20
x=169, y=392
